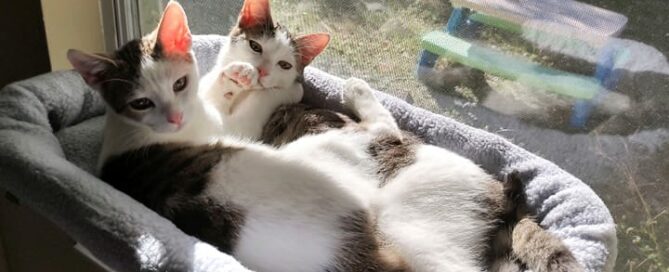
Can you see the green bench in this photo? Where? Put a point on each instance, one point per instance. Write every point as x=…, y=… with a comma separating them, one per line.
x=565, y=16
x=510, y=67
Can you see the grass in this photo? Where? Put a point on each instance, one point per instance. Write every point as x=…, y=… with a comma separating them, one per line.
x=361, y=37
x=642, y=245
x=640, y=210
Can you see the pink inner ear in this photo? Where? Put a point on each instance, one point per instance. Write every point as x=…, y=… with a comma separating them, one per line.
x=173, y=34
x=89, y=66
x=311, y=45
x=255, y=13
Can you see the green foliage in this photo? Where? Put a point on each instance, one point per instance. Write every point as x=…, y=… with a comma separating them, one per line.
x=643, y=245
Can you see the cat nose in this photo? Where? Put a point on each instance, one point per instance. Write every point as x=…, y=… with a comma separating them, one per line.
x=262, y=72
x=175, y=118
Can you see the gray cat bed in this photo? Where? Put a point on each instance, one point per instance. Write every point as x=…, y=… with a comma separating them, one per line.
x=51, y=131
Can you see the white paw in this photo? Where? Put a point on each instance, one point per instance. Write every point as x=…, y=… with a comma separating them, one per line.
x=227, y=87
x=243, y=74
x=356, y=92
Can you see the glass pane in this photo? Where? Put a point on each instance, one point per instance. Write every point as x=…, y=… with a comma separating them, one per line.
x=150, y=12
x=583, y=84
x=205, y=16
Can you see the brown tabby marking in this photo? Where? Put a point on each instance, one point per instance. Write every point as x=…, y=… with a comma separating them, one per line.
x=290, y=122
x=505, y=202
x=118, y=84
x=393, y=154
x=501, y=201
x=170, y=179
x=519, y=242
x=540, y=250
x=267, y=30
x=363, y=251
x=505, y=199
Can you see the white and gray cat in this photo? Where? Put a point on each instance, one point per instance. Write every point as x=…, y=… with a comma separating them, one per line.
x=315, y=204
x=259, y=69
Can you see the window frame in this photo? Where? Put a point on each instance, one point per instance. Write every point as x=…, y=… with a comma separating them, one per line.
x=120, y=22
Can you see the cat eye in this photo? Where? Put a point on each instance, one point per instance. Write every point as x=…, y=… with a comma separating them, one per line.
x=255, y=46
x=285, y=65
x=141, y=104
x=180, y=84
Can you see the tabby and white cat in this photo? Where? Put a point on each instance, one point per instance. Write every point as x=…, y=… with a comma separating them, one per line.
x=259, y=69
x=316, y=204
x=151, y=89
x=273, y=210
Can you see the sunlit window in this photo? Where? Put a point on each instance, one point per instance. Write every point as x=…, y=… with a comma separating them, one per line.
x=583, y=84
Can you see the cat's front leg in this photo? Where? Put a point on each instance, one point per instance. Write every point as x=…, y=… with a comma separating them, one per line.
x=358, y=96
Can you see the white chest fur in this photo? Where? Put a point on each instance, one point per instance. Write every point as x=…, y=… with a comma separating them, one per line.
x=294, y=207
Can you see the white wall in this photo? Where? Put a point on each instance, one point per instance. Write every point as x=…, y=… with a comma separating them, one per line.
x=72, y=24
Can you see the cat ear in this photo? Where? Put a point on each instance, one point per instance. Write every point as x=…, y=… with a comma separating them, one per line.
x=310, y=45
x=89, y=66
x=173, y=33
x=255, y=13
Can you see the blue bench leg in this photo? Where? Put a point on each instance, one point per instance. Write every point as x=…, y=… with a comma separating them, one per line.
x=455, y=21
x=607, y=79
x=427, y=62
x=429, y=59
x=580, y=113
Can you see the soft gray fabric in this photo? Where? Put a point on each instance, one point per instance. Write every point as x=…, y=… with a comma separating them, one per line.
x=50, y=134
